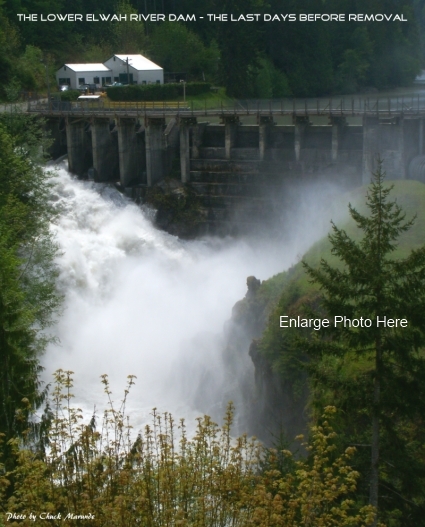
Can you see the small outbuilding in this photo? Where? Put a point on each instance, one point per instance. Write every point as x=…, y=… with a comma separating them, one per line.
x=74, y=75
x=420, y=79
x=134, y=69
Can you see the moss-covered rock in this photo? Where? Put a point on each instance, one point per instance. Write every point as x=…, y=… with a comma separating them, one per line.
x=179, y=210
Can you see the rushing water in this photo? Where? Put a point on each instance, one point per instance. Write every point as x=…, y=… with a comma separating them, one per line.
x=140, y=301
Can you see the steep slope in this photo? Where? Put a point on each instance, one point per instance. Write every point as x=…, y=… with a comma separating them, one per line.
x=281, y=393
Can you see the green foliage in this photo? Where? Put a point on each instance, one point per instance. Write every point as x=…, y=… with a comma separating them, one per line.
x=163, y=477
x=346, y=380
x=156, y=92
x=322, y=58
x=376, y=373
x=9, y=44
x=352, y=71
x=178, y=49
x=270, y=83
x=128, y=36
x=240, y=46
x=28, y=298
x=13, y=90
x=30, y=64
x=97, y=51
x=318, y=491
x=308, y=59
x=70, y=95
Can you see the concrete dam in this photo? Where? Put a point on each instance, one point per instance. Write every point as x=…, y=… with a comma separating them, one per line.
x=240, y=162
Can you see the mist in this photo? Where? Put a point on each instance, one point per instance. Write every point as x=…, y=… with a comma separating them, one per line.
x=142, y=302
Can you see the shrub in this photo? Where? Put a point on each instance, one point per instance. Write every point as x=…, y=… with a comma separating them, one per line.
x=156, y=92
x=70, y=95
x=164, y=478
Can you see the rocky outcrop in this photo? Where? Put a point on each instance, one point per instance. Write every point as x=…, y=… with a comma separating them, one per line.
x=268, y=406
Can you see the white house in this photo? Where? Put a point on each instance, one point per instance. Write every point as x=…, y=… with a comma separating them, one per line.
x=76, y=74
x=420, y=79
x=140, y=70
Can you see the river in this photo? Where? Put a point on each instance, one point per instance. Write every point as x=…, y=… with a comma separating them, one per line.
x=140, y=301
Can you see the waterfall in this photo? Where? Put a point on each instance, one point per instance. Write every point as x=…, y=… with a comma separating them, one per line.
x=140, y=301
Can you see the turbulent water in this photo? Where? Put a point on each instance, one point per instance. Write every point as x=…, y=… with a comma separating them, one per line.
x=139, y=301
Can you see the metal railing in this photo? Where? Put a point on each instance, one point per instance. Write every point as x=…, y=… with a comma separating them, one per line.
x=344, y=107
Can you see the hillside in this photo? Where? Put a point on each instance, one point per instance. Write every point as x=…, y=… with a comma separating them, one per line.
x=281, y=382
x=267, y=58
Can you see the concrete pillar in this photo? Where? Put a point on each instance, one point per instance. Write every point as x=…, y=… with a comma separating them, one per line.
x=105, y=151
x=132, y=152
x=55, y=129
x=231, y=123
x=301, y=124
x=185, y=150
x=265, y=122
x=184, y=153
x=370, y=147
x=384, y=138
x=155, y=150
x=76, y=142
x=335, y=138
x=197, y=138
x=400, y=169
x=338, y=124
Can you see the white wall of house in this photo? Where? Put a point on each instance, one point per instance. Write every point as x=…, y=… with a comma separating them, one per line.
x=76, y=74
x=142, y=69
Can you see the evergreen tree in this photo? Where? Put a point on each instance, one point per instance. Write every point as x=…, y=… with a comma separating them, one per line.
x=384, y=393
x=28, y=297
x=240, y=45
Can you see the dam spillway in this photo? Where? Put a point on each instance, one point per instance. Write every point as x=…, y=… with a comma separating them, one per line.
x=238, y=161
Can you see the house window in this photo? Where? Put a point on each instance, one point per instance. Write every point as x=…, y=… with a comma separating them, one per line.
x=143, y=82
x=81, y=80
x=63, y=81
x=108, y=80
x=116, y=79
x=96, y=80
x=158, y=82
x=64, y=68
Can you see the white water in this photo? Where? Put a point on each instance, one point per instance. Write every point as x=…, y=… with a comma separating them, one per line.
x=139, y=301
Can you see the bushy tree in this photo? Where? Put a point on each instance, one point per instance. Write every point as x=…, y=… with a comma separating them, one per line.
x=178, y=49
x=240, y=46
x=32, y=68
x=270, y=83
x=128, y=36
x=9, y=44
x=377, y=373
x=28, y=297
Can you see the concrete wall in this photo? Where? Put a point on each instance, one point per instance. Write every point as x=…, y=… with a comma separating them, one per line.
x=241, y=169
x=132, y=152
x=384, y=139
x=105, y=150
x=79, y=146
x=155, y=150
x=149, y=77
x=138, y=148
x=88, y=76
x=117, y=66
x=56, y=130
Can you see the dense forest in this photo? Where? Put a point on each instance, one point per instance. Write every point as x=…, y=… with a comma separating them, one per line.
x=251, y=59
x=362, y=390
